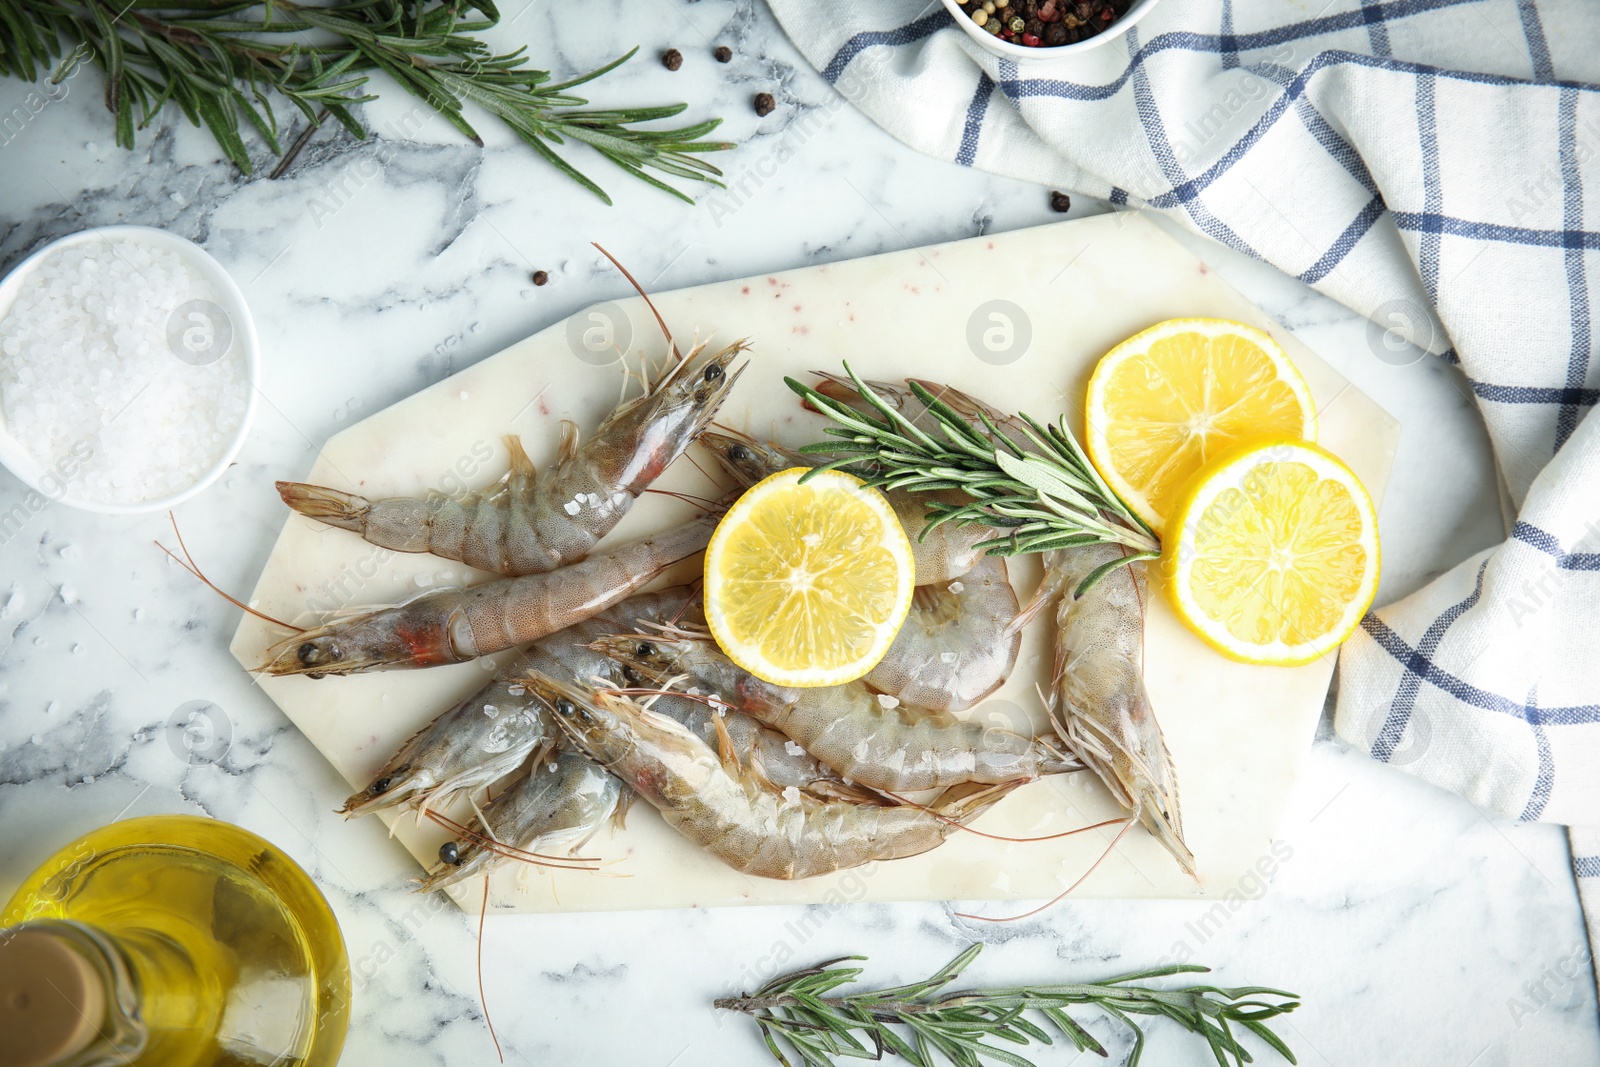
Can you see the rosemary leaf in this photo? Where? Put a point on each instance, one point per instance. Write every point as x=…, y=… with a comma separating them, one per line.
x=1028, y=479
x=924, y=1025
x=214, y=59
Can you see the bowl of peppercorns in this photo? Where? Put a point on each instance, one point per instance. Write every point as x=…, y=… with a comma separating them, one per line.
x=1036, y=29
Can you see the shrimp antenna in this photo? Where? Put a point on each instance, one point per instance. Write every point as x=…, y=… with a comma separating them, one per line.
x=1059, y=897
x=640, y=290
x=500, y=848
x=193, y=568
x=704, y=503
x=483, y=1001
x=959, y=825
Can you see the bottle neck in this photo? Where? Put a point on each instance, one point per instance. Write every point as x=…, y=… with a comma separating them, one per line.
x=69, y=997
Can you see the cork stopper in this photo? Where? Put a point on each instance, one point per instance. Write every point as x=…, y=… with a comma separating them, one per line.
x=52, y=999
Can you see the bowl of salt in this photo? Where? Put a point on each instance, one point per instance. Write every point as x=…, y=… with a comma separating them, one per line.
x=128, y=370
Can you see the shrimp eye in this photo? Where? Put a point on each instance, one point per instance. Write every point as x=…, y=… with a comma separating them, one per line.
x=381, y=786
x=450, y=854
x=631, y=676
x=307, y=653
x=713, y=372
x=738, y=453
x=645, y=650
x=566, y=708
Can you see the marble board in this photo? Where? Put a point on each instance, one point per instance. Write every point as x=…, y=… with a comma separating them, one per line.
x=1018, y=319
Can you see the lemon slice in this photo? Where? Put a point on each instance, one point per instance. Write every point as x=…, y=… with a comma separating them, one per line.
x=1272, y=554
x=1166, y=401
x=807, y=585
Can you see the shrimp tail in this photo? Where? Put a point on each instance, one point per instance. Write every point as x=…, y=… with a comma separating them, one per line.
x=332, y=506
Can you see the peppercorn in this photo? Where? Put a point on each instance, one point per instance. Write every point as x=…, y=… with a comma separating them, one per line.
x=1055, y=34
x=1034, y=27
x=540, y=277
x=980, y=18
x=765, y=104
x=672, y=59
x=723, y=53
x=1060, y=202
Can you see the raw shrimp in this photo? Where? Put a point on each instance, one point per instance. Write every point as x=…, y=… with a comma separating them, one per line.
x=452, y=625
x=492, y=732
x=1098, y=699
x=869, y=739
x=533, y=522
x=957, y=645
x=960, y=640
x=730, y=814
x=561, y=803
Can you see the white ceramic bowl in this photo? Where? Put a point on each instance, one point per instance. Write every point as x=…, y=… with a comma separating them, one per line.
x=1024, y=54
x=28, y=468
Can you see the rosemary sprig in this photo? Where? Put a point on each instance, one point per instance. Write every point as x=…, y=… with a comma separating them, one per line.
x=218, y=61
x=1031, y=480
x=923, y=1026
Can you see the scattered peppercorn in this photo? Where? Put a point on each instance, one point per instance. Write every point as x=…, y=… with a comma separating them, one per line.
x=765, y=104
x=672, y=59
x=1060, y=202
x=1045, y=23
x=540, y=277
x=723, y=53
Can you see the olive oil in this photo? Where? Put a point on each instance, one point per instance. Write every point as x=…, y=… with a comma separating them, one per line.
x=231, y=955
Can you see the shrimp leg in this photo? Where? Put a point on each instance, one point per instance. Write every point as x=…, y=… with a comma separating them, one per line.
x=732, y=816
x=533, y=522
x=453, y=625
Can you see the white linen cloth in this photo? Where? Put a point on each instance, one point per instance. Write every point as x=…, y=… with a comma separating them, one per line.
x=1433, y=164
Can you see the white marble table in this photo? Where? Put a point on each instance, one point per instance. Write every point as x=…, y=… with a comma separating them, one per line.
x=1408, y=921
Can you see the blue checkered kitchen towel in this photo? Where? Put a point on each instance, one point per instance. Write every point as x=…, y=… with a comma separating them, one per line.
x=1425, y=162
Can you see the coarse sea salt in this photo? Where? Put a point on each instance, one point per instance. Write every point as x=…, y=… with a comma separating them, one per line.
x=92, y=382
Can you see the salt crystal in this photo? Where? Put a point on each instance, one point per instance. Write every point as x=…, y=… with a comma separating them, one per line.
x=947, y=657
x=138, y=613
x=14, y=602
x=52, y=707
x=175, y=198
x=886, y=701
x=956, y=588
x=36, y=739
x=791, y=794
x=90, y=146
x=91, y=379
x=517, y=690
x=490, y=710
x=70, y=552
x=88, y=779
x=77, y=650
x=570, y=507
x=793, y=749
